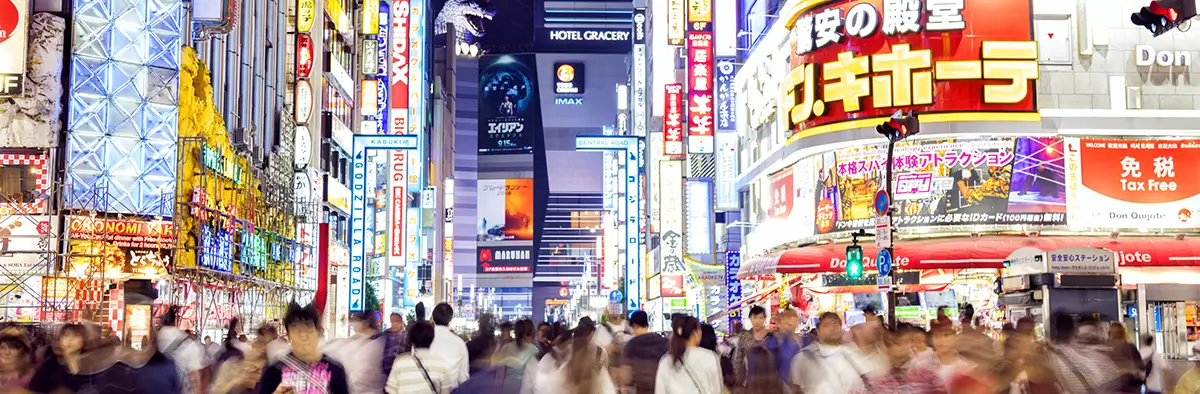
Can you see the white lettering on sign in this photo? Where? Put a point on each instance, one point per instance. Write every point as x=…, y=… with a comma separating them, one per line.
x=510, y=255
x=1164, y=167
x=1134, y=257
x=588, y=35
x=568, y=100
x=1147, y=56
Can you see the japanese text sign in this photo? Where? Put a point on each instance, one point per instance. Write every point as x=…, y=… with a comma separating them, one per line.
x=673, y=120
x=1133, y=183
x=676, y=21
x=725, y=112
x=700, y=92
x=861, y=59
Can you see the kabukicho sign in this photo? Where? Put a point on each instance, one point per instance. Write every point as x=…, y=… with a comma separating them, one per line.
x=851, y=60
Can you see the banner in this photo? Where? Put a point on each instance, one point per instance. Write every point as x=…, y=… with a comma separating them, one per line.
x=699, y=216
x=945, y=182
x=504, y=259
x=1134, y=183
x=505, y=210
x=673, y=121
x=700, y=92
x=141, y=249
x=509, y=108
x=14, y=28
x=21, y=239
x=859, y=59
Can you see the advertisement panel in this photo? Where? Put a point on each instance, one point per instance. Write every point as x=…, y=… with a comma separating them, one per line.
x=876, y=56
x=14, y=37
x=1133, y=183
x=671, y=205
x=412, y=237
x=399, y=197
x=21, y=237
x=509, y=106
x=504, y=259
x=639, y=96
x=700, y=92
x=726, y=157
x=673, y=120
x=672, y=285
x=699, y=216
x=582, y=40
x=139, y=249
x=946, y=182
x=505, y=210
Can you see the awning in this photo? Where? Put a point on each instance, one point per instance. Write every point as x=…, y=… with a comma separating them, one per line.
x=986, y=252
x=943, y=253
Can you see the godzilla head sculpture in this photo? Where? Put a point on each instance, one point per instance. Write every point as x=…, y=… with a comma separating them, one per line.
x=467, y=17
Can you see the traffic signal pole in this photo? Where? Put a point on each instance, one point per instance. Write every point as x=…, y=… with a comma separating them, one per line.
x=891, y=296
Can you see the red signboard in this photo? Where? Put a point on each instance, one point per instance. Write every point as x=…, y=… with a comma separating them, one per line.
x=1134, y=183
x=782, y=186
x=673, y=120
x=861, y=59
x=399, y=195
x=399, y=78
x=700, y=92
x=672, y=285
x=304, y=55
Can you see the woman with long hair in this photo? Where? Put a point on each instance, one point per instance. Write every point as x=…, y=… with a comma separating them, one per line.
x=688, y=368
x=59, y=369
x=545, y=378
x=520, y=353
x=228, y=378
x=764, y=377
x=586, y=372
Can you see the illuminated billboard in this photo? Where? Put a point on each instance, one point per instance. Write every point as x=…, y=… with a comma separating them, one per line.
x=854, y=60
x=509, y=105
x=505, y=210
x=14, y=36
x=1130, y=183
x=700, y=92
x=699, y=216
x=670, y=183
x=673, y=121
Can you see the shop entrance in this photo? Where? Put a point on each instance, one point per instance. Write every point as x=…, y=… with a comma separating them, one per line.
x=358, y=206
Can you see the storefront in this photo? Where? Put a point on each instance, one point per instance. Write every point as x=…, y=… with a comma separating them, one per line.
x=1005, y=159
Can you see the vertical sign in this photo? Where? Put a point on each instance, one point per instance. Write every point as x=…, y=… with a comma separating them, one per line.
x=673, y=121
x=700, y=92
x=670, y=182
x=699, y=11
x=370, y=17
x=610, y=176
x=639, y=72
x=399, y=204
x=383, y=48
x=727, y=163
x=699, y=216
x=676, y=21
x=733, y=286
x=416, y=89
x=725, y=112
x=631, y=148
x=400, y=71
x=725, y=21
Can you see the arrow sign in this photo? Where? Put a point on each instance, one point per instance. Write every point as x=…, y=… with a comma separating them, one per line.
x=1051, y=35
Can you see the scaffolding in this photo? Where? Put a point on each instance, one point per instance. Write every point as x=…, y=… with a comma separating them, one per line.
x=255, y=294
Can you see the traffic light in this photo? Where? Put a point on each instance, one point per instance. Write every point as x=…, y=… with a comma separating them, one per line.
x=1162, y=16
x=900, y=126
x=854, y=265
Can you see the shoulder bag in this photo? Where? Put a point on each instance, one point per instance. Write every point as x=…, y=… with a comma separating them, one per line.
x=425, y=373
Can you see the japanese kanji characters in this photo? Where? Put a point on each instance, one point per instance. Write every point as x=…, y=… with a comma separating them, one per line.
x=945, y=15
x=901, y=16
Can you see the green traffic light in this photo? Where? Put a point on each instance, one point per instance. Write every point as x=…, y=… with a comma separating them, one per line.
x=854, y=268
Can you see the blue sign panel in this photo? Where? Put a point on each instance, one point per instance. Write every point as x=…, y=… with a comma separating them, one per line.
x=884, y=261
x=882, y=202
x=358, y=206
x=630, y=147
x=733, y=286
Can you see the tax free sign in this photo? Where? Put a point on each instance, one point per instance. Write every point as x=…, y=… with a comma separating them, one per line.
x=851, y=62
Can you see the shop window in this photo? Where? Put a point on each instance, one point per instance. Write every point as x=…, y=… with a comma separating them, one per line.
x=17, y=183
x=586, y=219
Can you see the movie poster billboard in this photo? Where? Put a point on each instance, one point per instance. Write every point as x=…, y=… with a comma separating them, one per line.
x=979, y=181
x=510, y=112
x=1133, y=183
x=505, y=210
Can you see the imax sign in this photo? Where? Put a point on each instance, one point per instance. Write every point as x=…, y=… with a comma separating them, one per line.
x=589, y=35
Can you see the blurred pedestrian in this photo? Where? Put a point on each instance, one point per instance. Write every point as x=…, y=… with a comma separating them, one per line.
x=1157, y=367
x=1081, y=358
x=305, y=369
x=902, y=377
x=421, y=370
x=688, y=368
x=586, y=372
x=16, y=363
x=642, y=354
x=1127, y=358
x=708, y=340
x=482, y=345
x=360, y=354
x=748, y=340
x=764, y=378
x=59, y=371
x=785, y=343
x=395, y=341
x=184, y=351
x=827, y=366
x=521, y=352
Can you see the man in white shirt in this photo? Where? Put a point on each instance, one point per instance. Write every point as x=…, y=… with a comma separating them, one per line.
x=826, y=367
x=450, y=346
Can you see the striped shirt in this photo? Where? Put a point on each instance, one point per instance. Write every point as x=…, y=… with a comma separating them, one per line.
x=406, y=376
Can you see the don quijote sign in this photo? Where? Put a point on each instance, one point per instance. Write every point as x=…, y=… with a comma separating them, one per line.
x=868, y=262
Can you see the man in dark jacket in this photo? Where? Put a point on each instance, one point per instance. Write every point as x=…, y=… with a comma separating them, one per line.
x=642, y=353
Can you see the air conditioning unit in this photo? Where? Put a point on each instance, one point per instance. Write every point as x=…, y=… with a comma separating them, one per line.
x=243, y=138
